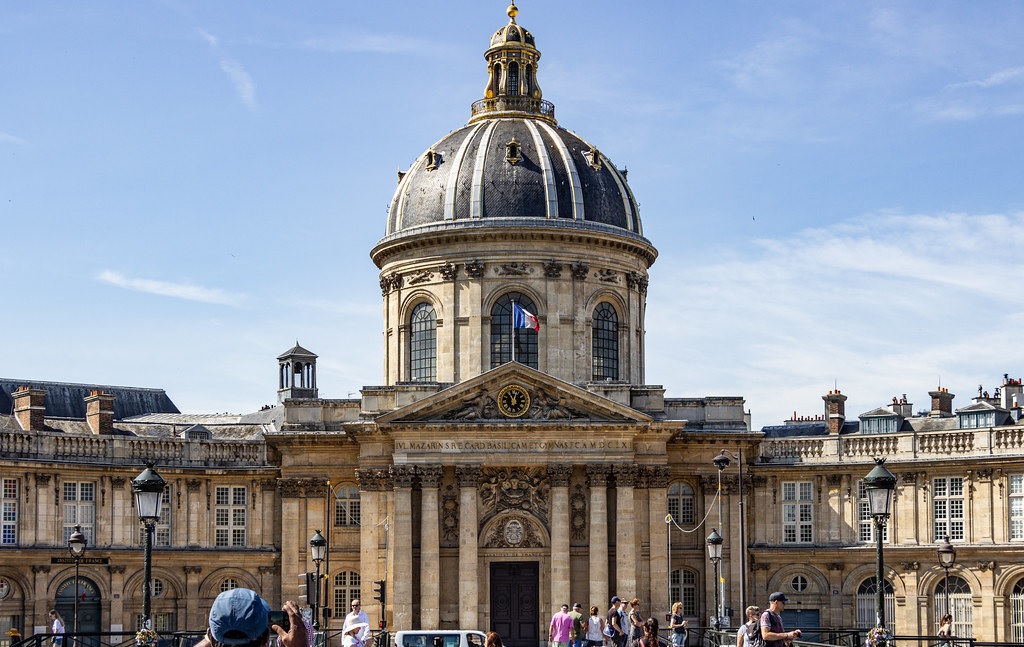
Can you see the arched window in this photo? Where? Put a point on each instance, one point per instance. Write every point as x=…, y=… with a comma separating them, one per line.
x=528, y=80
x=680, y=503
x=502, y=333
x=960, y=606
x=228, y=583
x=1017, y=612
x=346, y=506
x=346, y=589
x=513, y=79
x=866, y=604
x=423, y=343
x=606, y=342
x=683, y=588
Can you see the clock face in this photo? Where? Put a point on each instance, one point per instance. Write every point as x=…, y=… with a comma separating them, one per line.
x=513, y=401
x=5, y=588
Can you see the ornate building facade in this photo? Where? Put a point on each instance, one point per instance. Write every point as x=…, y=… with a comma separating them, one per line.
x=500, y=472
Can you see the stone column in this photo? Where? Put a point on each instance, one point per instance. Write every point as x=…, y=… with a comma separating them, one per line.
x=469, y=562
x=430, y=548
x=294, y=541
x=41, y=597
x=43, y=523
x=657, y=503
x=372, y=485
x=116, y=584
x=194, y=606
x=598, y=480
x=401, y=530
x=560, y=475
x=194, y=515
x=625, y=531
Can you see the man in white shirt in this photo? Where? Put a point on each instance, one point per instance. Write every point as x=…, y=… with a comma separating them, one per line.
x=358, y=616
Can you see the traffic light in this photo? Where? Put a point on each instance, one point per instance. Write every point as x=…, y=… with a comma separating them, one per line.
x=380, y=591
x=307, y=589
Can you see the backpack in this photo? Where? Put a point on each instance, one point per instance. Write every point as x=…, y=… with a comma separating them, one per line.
x=754, y=634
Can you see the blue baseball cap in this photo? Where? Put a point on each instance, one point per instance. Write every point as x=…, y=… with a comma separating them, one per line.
x=238, y=616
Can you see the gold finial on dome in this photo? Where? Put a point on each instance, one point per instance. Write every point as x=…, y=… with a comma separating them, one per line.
x=512, y=11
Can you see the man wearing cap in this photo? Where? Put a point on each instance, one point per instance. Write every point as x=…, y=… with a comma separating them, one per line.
x=772, y=631
x=618, y=636
x=561, y=628
x=238, y=618
x=578, y=628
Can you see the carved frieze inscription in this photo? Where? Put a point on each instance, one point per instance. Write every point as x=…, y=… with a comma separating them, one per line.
x=512, y=445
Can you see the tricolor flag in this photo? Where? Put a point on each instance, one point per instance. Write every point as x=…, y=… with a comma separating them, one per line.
x=522, y=318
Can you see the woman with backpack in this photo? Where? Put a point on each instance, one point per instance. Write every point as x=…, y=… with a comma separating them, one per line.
x=749, y=633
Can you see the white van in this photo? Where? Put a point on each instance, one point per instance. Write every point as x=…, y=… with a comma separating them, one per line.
x=440, y=638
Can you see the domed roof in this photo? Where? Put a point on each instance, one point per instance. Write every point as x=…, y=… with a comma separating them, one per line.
x=513, y=168
x=512, y=161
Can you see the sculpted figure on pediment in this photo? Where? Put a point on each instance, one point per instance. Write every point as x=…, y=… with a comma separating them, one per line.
x=481, y=406
x=548, y=407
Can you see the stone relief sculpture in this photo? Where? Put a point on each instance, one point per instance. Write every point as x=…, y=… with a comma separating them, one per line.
x=522, y=489
x=481, y=406
x=578, y=513
x=579, y=270
x=514, y=532
x=420, y=277
x=608, y=276
x=475, y=269
x=552, y=269
x=548, y=407
x=450, y=515
x=512, y=269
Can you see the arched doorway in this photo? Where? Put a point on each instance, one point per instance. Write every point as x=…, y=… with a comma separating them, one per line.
x=88, y=609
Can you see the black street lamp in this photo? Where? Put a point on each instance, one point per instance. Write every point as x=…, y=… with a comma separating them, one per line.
x=76, y=545
x=722, y=461
x=880, y=484
x=715, y=554
x=318, y=551
x=149, y=489
x=947, y=557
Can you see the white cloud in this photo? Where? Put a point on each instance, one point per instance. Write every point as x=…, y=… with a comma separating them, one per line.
x=996, y=79
x=10, y=139
x=185, y=291
x=881, y=305
x=240, y=78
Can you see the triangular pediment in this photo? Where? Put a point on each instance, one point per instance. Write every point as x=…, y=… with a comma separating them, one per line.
x=513, y=393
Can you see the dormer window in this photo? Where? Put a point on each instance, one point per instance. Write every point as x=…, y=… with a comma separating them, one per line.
x=593, y=158
x=512, y=154
x=977, y=419
x=883, y=425
x=433, y=159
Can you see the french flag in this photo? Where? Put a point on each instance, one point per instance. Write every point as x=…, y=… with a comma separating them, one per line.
x=522, y=318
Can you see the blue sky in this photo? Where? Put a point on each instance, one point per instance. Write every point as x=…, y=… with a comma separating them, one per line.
x=835, y=188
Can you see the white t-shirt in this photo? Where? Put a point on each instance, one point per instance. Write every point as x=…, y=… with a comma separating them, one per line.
x=594, y=629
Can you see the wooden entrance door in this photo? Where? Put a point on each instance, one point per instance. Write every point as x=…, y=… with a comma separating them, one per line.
x=514, y=589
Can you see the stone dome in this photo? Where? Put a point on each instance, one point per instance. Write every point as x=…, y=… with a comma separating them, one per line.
x=512, y=164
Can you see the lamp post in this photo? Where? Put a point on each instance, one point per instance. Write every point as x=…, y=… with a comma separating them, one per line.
x=149, y=489
x=879, y=484
x=722, y=461
x=715, y=554
x=318, y=551
x=947, y=557
x=76, y=545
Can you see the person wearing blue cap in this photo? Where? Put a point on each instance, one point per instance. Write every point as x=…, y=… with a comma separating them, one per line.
x=773, y=632
x=240, y=618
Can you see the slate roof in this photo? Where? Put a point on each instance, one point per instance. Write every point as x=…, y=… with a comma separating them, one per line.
x=67, y=400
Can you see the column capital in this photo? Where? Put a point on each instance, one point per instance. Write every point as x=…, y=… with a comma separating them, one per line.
x=430, y=475
x=374, y=480
x=402, y=476
x=309, y=488
x=625, y=475
x=192, y=570
x=468, y=475
x=654, y=476
x=560, y=475
x=116, y=568
x=597, y=475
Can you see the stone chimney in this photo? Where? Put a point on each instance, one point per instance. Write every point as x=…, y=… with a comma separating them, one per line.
x=901, y=407
x=835, y=411
x=1011, y=393
x=29, y=407
x=99, y=412
x=942, y=403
